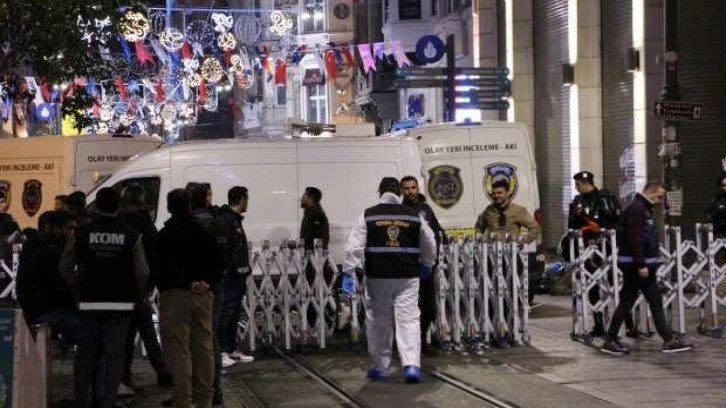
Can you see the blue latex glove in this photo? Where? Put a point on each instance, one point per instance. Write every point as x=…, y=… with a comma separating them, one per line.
x=348, y=284
x=425, y=272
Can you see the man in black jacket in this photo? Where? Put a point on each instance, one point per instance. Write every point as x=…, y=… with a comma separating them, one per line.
x=235, y=279
x=190, y=266
x=204, y=213
x=314, y=224
x=427, y=291
x=717, y=209
x=112, y=277
x=134, y=214
x=7, y=227
x=638, y=258
x=44, y=295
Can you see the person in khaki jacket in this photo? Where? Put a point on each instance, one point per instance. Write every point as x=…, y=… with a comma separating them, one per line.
x=504, y=216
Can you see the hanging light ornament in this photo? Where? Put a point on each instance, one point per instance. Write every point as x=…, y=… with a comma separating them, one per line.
x=134, y=26
x=212, y=70
x=126, y=119
x=222, y=22
x=193, y=79
x=168, y=114
x=157, y=19
x=235, y=65
x=172, y=39
x=227, y=42
x=281, y=24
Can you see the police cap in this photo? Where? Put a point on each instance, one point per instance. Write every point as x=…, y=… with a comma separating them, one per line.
x=584, y=176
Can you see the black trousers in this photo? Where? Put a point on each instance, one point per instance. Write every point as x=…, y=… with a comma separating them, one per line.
x=142, y=322
x=235, y=288
x=427, y=305
x=632, y=284
x=216, y=314
x=96, y=334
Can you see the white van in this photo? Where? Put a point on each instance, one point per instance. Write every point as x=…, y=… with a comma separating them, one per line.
x=34, y=170
x=453, y=163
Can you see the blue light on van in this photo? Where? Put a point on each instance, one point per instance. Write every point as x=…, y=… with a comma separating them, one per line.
x=404, y=124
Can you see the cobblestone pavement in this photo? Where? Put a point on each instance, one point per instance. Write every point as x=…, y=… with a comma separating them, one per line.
x=553, y=372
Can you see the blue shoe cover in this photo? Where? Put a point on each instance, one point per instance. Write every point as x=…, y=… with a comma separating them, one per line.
x=412, y=374
x=377, y=375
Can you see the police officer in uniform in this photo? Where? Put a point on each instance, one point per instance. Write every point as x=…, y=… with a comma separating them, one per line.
x=112, y=277
x=396, y=246
x=591, y=211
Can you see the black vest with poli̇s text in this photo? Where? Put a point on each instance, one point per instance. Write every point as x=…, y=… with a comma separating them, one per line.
x=392, y=241
x=104, y=253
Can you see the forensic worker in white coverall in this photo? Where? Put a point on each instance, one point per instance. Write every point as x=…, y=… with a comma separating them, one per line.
x=396, y=246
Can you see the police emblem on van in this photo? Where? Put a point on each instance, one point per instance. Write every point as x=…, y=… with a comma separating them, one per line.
x=32, y=197
x=5, y=191
x=500, y=171
x=445, y=185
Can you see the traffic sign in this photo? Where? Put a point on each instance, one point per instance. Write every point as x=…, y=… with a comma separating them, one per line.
x=492, y=105
x=678, y=110
x=419, y=83
x=420, y=72
x=480, y=94
x=483, y=71
x=501, y=81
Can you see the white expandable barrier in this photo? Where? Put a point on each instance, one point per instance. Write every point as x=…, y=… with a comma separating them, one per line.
x=688, y=277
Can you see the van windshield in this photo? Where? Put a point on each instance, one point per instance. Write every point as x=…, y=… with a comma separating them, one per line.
x=98, y=181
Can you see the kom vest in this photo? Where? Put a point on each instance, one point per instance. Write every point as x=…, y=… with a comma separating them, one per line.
x=104, y=253
x=392, y=241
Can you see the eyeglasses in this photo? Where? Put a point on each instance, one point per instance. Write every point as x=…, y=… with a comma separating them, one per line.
x=502, y=219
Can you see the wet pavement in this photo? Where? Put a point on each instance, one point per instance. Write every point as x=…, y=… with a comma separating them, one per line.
x=553, y=372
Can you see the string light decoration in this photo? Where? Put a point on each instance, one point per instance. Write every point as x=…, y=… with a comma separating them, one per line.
x=227, y=42
x=172, y=39
x=193, y=79
x=212, y=70
x=157, y=20
x=222, y=22
x=127, y=119
x=281, y=23
x=168, y=114
x=134, y=26
x=190, y=65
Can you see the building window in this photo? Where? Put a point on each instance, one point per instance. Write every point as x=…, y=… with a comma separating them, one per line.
x=312, y=17
x=317, y=103
x=409, y=10
x=434, y=6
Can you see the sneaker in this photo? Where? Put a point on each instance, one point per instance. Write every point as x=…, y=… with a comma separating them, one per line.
x=614, y=347
x=412, y=374
x=227, y=361
x=375, y=374
x=241, y=357
x=125, y=391
x=676, y=345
